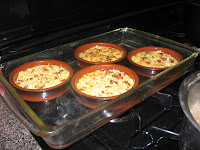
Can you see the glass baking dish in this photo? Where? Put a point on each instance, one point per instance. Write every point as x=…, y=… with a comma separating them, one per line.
x=62, y=121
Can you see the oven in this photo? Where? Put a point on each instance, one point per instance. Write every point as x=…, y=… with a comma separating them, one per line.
x=154, y=122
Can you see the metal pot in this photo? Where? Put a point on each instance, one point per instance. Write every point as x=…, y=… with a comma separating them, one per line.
x=189, y=93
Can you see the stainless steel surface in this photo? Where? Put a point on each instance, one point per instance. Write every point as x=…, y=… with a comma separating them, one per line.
x=189, y=95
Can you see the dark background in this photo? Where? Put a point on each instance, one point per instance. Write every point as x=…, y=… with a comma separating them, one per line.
x=21, y=19
x=26, y=23
x=16, y=13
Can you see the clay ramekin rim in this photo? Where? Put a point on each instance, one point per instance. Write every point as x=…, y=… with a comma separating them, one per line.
x=38, y=63
x=102, y=44
x=154, y=48
x=97, y=67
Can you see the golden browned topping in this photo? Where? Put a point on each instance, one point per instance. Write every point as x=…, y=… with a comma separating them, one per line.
x=41, y=77
x=155, y=59
x=105, y=83
x=101, y=54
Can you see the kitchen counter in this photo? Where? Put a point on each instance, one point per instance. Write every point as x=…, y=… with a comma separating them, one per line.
x=13, y=134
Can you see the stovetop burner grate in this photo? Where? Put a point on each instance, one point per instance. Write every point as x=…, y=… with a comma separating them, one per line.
x=143, y=126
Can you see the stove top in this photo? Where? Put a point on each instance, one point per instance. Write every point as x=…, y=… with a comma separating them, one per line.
x=154, y=124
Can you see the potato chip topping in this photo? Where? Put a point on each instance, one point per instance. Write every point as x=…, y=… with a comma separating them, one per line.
x=105, y=83
x=41, y=77
x=155, y=59
x=101, y=54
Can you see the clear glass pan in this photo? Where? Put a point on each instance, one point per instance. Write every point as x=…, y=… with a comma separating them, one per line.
x=62, y=121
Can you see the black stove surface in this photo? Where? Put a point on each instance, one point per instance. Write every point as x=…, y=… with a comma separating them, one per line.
x=154, y=124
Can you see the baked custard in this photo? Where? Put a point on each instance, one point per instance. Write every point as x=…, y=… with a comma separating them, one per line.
x=105, y=83
x=154, y=59
x=41, y=77
x=101, y=54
